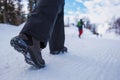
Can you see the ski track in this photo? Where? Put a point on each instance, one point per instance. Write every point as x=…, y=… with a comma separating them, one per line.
x=87, y=59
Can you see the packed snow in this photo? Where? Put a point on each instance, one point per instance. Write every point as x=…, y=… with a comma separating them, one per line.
x=89, y=58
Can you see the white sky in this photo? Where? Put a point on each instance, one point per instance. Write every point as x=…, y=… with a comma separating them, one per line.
x=101, y=10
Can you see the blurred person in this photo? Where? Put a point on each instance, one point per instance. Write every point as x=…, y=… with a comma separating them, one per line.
x=80, y=27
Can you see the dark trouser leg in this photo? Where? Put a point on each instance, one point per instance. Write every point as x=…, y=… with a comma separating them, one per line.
x=38, y=29
x=41, y=22
x=57, y=39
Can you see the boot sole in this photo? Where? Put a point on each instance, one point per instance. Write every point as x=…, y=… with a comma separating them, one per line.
x=20, y=46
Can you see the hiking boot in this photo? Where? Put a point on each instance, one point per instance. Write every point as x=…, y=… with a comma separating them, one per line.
x=64, y=50
x=30, y=48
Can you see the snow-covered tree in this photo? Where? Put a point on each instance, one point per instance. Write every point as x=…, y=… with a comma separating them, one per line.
x=116, y=25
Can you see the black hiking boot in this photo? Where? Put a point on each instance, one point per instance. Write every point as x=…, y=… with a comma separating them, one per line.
x=30, y=48
x=64, y=50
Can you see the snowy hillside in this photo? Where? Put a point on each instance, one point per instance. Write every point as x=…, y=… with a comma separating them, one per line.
x=88, y=58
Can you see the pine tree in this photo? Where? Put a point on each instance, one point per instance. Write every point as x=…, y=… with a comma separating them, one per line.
x=31, y=5
x=11, y=12
x=116, y=25
x=1, y=11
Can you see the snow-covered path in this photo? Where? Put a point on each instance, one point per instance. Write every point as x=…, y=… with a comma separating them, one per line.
x=89, y=58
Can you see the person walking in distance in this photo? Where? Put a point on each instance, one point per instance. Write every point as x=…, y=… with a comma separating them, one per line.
x=45, y=24
x=80, y=27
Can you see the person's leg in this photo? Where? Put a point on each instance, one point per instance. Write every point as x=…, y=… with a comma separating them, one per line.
x=57, y=40
x=37, y=30
x=80, y=32
x=41, y=21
